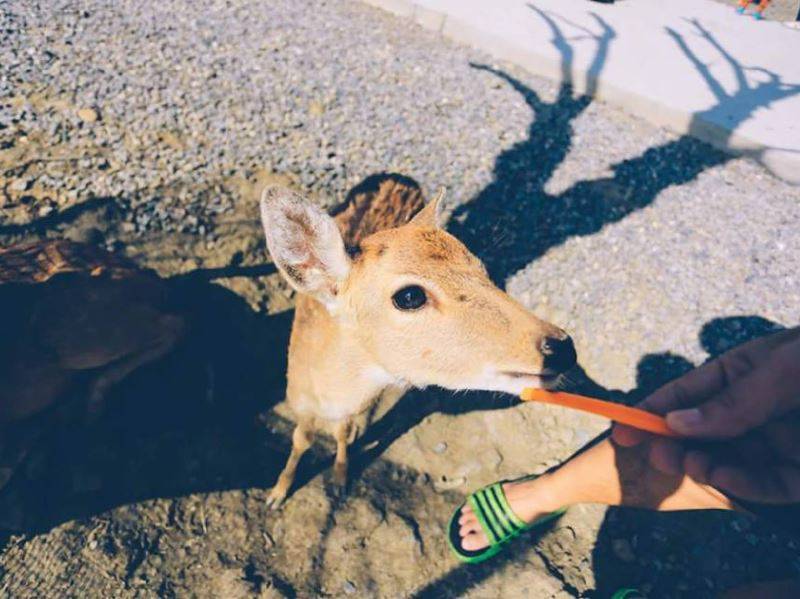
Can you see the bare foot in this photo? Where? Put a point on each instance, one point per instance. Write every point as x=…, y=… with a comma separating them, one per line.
x=529, y=500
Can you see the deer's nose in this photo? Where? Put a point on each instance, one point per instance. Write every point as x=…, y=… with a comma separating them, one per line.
x=559, y=354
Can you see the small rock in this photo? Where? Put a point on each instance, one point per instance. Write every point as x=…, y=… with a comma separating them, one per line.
x=349, y=588
x=447, y=484
x=316, y=108
x=440, y=447
x=269, y=542
x=20, y=185
x=88, y=115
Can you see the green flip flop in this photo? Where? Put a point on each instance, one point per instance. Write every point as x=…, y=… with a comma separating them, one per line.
x=499, y=522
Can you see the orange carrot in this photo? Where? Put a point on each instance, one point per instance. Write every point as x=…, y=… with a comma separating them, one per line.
x=634, y=417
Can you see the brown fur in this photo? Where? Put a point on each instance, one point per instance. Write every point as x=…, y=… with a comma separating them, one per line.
x=70, y=307
x=39, y=261
x=380, y=202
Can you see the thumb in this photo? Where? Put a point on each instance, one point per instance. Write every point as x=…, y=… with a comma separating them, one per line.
x=767, y=391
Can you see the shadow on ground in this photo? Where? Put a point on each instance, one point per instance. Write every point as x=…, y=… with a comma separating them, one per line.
x=514, y=220
x=189, y=423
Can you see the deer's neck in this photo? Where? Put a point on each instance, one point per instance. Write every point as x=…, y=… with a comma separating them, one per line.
x=328, y=364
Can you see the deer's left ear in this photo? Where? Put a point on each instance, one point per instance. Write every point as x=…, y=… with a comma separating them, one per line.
x=430, y=216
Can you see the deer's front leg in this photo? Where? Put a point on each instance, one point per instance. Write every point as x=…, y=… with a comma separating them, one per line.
x=342, y=433
x=301, y=440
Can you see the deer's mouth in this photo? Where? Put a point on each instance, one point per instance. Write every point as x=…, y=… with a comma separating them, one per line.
x=544, y=378
x=515, y=381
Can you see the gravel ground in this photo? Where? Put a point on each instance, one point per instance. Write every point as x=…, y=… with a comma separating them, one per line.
x=156, y=122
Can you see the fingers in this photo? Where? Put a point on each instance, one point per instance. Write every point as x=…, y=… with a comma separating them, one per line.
x=766, y=391
x=627, y=436
x=697, y=466
x=712, y=377
x=754, y=386
x=772, y=341
x=762, y=482
x=689, y=390
x=771, y=485
x=666, y=456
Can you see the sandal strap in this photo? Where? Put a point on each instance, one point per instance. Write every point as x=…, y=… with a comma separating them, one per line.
x=497, y=519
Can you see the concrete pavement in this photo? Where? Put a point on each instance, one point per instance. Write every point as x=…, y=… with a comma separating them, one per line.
x=693, y=66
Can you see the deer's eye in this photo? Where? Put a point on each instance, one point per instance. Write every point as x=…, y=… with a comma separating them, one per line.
x=410, y=298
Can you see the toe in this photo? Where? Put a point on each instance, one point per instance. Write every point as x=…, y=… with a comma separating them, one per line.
x=467, y=518
x=474, y=541
x=469, y=528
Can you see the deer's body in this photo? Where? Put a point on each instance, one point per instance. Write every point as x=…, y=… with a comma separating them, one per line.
x=408, y=306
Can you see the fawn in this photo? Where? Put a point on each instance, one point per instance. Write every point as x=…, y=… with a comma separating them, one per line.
x=406, y=305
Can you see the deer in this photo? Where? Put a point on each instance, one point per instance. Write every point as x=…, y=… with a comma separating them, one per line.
x=389, y=300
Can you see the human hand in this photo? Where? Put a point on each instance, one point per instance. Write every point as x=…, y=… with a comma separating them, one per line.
x=746, y=401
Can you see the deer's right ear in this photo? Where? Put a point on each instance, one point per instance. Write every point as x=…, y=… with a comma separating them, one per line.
x=305, y=244
x=430, y=215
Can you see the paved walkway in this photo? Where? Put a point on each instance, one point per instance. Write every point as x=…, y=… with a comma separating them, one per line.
x=690, y=65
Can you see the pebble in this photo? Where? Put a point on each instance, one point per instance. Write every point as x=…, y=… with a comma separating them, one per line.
x=19, y=185
x=444, y=483
x=88, y=115
x=349, y=588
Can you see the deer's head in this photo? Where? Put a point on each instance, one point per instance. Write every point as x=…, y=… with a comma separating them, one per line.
x=419, y=303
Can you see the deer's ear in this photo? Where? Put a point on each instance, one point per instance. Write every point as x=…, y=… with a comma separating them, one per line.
x=430, y=215
x=305, y=244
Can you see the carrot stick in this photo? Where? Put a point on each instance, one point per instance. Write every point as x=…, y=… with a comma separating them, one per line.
x=634, y=417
